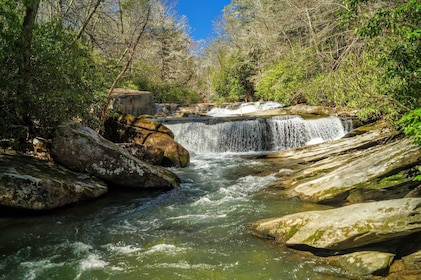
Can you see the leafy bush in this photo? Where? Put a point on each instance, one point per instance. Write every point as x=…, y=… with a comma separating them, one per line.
x=285, y=81
x=64, y=83
x=233, y=81
x=175, y=94
x=410, y=124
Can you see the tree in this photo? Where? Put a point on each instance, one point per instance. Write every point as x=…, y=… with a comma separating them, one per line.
x=46, y=69
x=393, y=34
x=130, y=51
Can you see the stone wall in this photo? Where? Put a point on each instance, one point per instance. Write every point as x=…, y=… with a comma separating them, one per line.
x=133, y=102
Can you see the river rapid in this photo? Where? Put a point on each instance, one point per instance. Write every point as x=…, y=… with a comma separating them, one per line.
x=196, y=231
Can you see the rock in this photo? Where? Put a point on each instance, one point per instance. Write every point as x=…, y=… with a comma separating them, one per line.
x=133, y=102
x=346, y=172
x=412, y=262
x=174, y=154
x=370, y=166
x=364, y=263
x=29, y=183
x=345, y=227
x=82, y=149
x=129, y=129
x=148, y=154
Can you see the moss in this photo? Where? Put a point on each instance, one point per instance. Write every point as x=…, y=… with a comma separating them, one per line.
x=315, y=237
x=312, y=174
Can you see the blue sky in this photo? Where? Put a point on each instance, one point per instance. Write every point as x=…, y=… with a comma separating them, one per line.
x=201, y=15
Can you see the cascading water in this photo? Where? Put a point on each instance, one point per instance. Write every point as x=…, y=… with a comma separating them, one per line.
x=276, y=133
x=244, y=108
x=196, y=231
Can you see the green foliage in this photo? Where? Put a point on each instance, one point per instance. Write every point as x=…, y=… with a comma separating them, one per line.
x=233, y=81
x=286, y=79
x=174, y=94
x=410, y=124
x=65, y=76
x=163, y=92
x=356, y=86
x=63, y=82
x=394, y=34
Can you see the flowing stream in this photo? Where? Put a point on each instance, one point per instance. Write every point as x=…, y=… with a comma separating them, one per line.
x=197, y=231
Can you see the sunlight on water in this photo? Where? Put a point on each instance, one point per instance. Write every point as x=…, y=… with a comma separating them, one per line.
x=277, y=133
x=197, y=231
x=243, y=108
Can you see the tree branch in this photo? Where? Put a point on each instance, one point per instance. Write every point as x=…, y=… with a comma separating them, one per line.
x=131, y=53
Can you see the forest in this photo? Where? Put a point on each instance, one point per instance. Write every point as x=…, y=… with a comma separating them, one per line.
x=62, y=59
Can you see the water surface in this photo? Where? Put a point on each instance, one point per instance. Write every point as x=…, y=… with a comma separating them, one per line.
x=197, y=231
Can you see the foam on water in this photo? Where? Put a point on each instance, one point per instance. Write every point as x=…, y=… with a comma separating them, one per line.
x=35, y=268
x=123, y=249
x=183, y=265
x=92, y=261
x=165, y=249
x=243, y=108
x=196, y=231
x=276, y=133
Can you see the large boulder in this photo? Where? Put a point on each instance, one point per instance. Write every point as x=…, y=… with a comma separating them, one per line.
x=29, y=183
x=345, y=227
x=130, y=129
x=82, y=149
x=133, y=102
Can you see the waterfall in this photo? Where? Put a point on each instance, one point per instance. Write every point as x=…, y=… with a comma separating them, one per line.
x=243, y=108
x=276, y=133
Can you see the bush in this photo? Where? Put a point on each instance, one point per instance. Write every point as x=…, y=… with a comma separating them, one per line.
x=64, y=84
x=410, y=124
x=285, y=80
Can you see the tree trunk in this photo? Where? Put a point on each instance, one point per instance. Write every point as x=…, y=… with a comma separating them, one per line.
x=23, y=87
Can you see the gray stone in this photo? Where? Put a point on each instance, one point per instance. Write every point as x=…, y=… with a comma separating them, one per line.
x=82, y=149
x=345, y=227
x=343, y=173
x=29, y=183
x=354, y=169
x=133, y=102
x=364, y=263
x=412, y=262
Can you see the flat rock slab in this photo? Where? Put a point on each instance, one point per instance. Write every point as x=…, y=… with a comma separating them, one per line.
x=345, y=227
x=29, y=183
x=332, y=177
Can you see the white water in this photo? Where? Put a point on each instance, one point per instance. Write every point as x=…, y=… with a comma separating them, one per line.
x=277, y=133
x=196, y=231
x=243, y=108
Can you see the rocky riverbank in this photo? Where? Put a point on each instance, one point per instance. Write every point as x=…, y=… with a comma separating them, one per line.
x=374, y=226
x=82, y=165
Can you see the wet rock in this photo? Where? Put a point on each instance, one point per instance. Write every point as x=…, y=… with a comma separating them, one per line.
x=364, y=263
x=345, y=227
x=129, y=129
x=29, y=183
x=373, y=165
x=82, y=149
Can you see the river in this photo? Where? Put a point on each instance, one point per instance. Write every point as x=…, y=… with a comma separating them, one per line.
x=197, y=231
